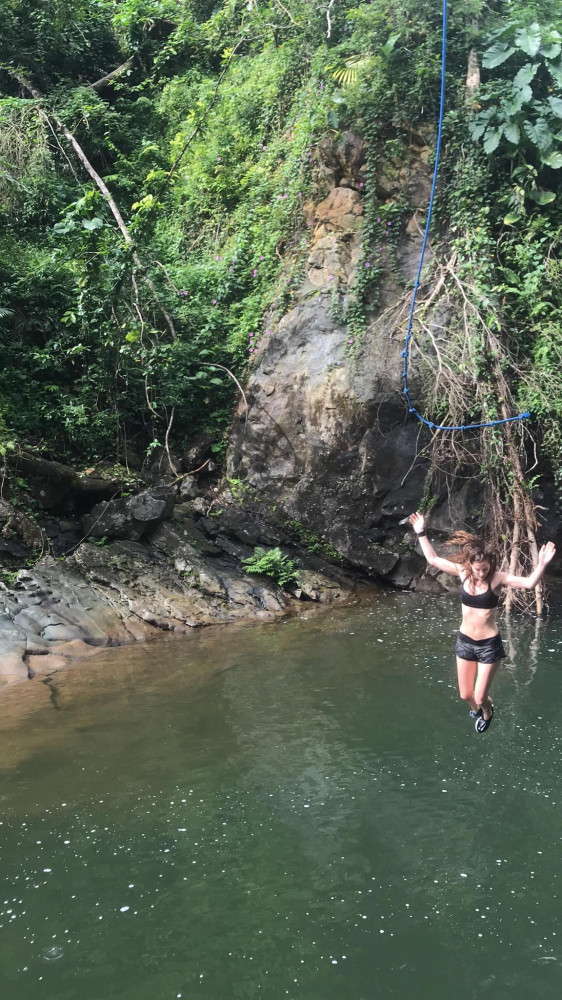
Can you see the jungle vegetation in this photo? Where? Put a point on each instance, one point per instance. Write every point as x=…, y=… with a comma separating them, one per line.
x=154, y=158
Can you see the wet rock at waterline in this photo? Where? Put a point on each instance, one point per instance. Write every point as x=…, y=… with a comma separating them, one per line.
x=187, y=574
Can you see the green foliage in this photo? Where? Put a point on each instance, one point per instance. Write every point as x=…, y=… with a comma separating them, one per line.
x=7, y=442
x=207, y=142
x=312, y=541
x=273, y=563
x=521, y=119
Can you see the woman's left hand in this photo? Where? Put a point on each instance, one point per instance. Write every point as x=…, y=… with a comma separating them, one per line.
x=547, y=552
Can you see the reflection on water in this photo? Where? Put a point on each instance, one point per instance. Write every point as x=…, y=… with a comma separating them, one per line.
x=297, y=809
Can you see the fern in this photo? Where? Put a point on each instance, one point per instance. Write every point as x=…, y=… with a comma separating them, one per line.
x=273, y=563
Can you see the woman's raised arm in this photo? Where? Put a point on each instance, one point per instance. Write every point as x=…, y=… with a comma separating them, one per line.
x=417, y=521
x=547, y=552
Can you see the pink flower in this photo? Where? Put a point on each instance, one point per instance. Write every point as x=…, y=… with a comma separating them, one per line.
x=230, y=269
x=217, y=258
x=367, y=264
x=351, y=340
x=286, y=196
x=264, y=147
x=250, y=335
x=389, y=223
x=219, y=158
x=214, y=302
x=378, y=220
x=330, y=277
x=255, y=272
x=361, y=184
x=300, y=194
x=251, y=350
x=261, y=256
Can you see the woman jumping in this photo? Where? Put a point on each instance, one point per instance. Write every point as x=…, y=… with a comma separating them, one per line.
x=479, y=647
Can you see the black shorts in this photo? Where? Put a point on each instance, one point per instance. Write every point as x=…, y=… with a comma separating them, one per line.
x=479, y=650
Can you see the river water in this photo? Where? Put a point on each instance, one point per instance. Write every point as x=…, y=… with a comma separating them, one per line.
x=300, y=809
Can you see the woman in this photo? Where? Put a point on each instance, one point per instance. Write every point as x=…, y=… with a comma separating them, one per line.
x=479, y=647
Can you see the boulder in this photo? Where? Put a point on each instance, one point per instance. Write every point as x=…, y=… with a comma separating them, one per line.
x=314, y=586
x=132, y=517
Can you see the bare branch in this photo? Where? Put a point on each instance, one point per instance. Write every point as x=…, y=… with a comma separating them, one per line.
x=166, y=442
x=329, y=31
x=113, y=75
x=213, y=364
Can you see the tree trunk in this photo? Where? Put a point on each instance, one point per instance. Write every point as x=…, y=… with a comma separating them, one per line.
x=473, y=68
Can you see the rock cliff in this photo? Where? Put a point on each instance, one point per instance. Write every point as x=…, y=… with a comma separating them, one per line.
x=327, y=435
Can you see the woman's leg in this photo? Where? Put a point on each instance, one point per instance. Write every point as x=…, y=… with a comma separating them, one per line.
x=466, y=674
x=484, y=678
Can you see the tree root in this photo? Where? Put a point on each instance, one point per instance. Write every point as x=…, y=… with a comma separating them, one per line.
x=469, y=372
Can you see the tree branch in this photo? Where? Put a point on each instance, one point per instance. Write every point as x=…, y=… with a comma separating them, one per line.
x=112, y=76
x=98, y=181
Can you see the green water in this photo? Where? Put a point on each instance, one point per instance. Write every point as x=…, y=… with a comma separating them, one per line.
x=293, y=810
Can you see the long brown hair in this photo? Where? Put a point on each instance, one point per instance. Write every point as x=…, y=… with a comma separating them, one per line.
x=472, y=549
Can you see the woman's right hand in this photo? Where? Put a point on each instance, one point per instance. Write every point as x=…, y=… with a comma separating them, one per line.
x=417, y=521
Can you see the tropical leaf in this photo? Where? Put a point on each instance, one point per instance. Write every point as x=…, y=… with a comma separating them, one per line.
x=512, y=132
x=526, y=93
x=553, y=160
x=541, y=197
x=348, y=73
x=525, y=74
x=556, y=105
x=345, y=75
x=529, y=39
x=507, y=27
x=551, y=44
x=388, y=46
x=477, y=129
x=555, y=70
x=551, y=51
x=539, y=133
x=95, y=223
x=496, y=55
x=514, y=104
x=512, y=217
x=492, y=139
x=332, y=118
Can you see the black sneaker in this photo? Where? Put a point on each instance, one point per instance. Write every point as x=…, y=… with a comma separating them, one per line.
x=483, y=724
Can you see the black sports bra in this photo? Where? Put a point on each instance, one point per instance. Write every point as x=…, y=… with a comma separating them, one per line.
x=486, y=600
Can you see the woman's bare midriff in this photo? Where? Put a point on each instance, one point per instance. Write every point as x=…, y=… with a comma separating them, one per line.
x=479, y=623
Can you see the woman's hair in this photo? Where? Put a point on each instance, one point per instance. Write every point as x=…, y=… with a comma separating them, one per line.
x=473, y=549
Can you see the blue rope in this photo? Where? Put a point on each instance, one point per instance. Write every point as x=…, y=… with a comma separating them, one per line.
x=406, y=353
